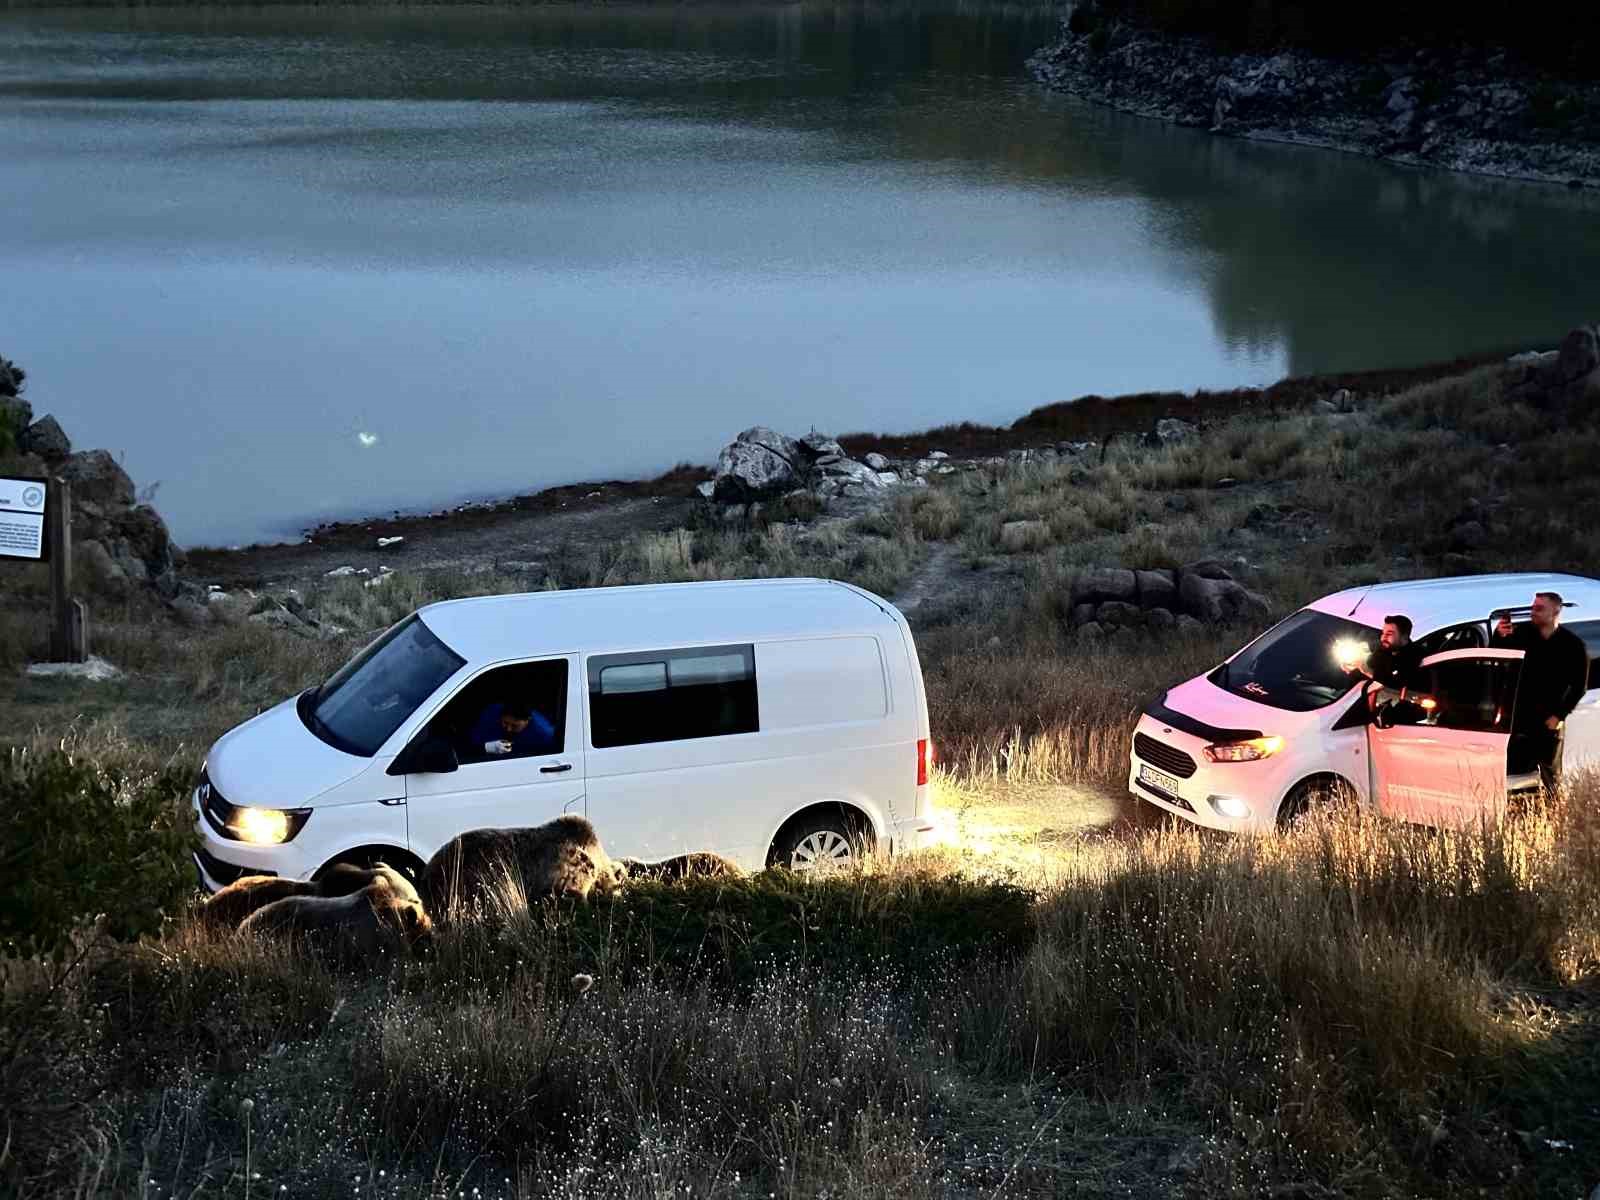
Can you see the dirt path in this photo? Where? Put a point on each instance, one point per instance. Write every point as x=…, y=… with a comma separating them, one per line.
x=935, y=577
x=509, y=536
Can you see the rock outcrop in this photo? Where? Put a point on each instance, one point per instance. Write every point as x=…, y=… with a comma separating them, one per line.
x=1104, y=600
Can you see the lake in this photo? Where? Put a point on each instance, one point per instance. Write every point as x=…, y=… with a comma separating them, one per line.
x=292, y=264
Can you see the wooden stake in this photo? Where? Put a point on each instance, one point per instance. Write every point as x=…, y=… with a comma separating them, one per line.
x=69, y=620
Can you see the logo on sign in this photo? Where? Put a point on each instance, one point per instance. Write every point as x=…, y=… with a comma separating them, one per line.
x=32, y=496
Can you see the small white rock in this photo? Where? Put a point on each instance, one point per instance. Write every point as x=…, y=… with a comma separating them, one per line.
x=339, y=572
x=96, y=670
x=385, y=542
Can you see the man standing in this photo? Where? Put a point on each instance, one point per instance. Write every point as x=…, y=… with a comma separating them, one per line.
x=1555, y=674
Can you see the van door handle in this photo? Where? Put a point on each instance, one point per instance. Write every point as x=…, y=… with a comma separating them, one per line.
x=555, y=768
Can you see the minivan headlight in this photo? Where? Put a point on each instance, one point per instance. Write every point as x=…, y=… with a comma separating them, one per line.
x=1245, y=751
x=266, y=826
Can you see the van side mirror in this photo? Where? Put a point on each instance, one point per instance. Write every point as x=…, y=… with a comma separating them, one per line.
x=431, y=756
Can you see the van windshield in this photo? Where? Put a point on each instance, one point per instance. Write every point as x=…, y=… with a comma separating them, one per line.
x=371, y=695
x=1295, y=666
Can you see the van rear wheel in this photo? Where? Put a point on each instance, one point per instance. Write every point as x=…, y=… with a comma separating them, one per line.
x=818, y=843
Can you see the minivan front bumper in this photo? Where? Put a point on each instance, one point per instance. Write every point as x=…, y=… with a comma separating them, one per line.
x=1167, y=767
x=219, y=860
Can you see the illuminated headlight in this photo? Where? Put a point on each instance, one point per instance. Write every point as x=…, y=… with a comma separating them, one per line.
x=1246, y=751
x=266, y=826
x=1229, y=806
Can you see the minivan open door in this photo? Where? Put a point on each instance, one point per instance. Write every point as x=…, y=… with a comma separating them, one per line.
x=1443, y=761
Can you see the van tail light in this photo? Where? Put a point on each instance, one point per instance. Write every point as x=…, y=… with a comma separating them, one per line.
x=924, y=760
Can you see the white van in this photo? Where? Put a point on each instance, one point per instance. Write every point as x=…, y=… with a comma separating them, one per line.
x=770, y=721
x=1249, y=744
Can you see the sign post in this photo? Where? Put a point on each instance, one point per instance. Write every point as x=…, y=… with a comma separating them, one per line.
x=36, y=525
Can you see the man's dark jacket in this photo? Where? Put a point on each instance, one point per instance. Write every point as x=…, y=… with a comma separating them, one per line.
x=1555, y=673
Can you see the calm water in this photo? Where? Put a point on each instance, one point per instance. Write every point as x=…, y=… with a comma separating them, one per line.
x=301, y=263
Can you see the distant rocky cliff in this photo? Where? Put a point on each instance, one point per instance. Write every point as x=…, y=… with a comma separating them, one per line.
x=1470, y=110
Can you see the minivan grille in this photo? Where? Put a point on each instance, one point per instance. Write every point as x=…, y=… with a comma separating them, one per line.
x=1162, y=756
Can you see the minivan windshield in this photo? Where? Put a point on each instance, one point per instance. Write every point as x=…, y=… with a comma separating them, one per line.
x=1296, y=665
x=371, y=695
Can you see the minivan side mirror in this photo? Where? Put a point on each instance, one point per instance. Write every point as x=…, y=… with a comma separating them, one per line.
x=430, y=756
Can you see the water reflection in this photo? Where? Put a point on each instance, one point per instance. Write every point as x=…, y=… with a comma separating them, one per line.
x=524, y=246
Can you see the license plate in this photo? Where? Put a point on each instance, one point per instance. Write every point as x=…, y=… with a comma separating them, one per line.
x=1156, y=779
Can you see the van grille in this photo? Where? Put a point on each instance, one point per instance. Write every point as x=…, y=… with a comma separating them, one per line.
x=1162, y=756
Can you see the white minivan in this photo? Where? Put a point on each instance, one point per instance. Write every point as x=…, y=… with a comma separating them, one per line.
x=770, y=721
x=1248, y=745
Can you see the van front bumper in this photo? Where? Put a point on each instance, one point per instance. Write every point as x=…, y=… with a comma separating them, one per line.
x=219, y=860
x=1174, y=774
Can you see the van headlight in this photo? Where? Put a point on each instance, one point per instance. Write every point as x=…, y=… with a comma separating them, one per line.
x=266, y=826
x=1245, y=751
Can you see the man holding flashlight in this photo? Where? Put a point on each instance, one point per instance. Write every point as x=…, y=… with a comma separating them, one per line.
x=1555, y=674
x=1393, y=665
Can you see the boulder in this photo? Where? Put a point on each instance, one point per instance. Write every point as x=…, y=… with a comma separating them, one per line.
x=1156, y=589
x=1217, y=600
x=1343, y=400
x=47, y=439
x=97, y=478
x=819, y=445
x=706, y=490
x=758, y=463
x=191, y=611
x=1170, y=431
x=1208, y=568
x=1159, y=618
x=1119, y=613
x=876, y=461
x=1082, y=614
x=1186, y=624
x=142, y=528
x=94, y=562
x=1578, y=356
x=1092, y=632
x=1104, y=583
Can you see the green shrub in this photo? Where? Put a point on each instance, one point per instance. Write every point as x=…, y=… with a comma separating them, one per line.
x=78, y=840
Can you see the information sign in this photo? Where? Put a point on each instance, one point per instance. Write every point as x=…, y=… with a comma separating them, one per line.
x=22, y=500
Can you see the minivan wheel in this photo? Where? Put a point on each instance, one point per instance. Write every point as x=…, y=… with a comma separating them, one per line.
x=1313, y=796
x=820, y=843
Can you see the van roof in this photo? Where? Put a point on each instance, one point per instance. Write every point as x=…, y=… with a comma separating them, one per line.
x=600, y=620
x=1435, y=603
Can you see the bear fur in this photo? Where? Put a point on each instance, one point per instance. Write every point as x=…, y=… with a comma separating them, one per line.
x=561, y=858
x=241, y=898
x=702, y=864
x=378, y=920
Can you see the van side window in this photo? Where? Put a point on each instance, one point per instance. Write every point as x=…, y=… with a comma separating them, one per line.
x=1589, y=631
x=525, y=704
x=672, y=695
x=1473, y=694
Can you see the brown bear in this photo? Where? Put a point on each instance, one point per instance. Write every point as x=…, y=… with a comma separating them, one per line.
x=702, y=864
x=376, y=921
x=239, y=899
x=561, y=858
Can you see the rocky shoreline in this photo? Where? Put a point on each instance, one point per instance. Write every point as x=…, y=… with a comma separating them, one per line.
x=1467, y=110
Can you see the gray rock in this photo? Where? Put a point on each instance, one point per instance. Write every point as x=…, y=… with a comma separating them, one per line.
x=1324, y=407
x=1217, y=600
x=1105, y=583
x=146, y=535
x=1344, y=400
x=1188, y=625
x=706, y=489
x=47, y=439
x=278, y=617
x=1208, y=568
x=191, y=612
x=937, y=455
x=924, y=465
x=97, y=478
x=1156, y=589
x=758, y=463
x=1092, y=632
x=1170, y=431
x=1159, y=618
x=127, y=559
x=1578, y=356
x=888, y=478
x=1119, y=613
x=1469, y=535
x=876, y=461
x=816, y=445
x=94, y=561
x=1082, y=614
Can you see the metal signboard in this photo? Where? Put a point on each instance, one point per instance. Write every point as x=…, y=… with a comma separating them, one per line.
x=22, y=500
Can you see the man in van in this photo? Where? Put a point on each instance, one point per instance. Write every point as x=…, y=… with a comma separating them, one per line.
x=1394, y=664
x=1555, y=674
x=512, y=727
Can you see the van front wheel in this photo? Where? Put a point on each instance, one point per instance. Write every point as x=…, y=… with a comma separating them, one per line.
x=819, y=842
